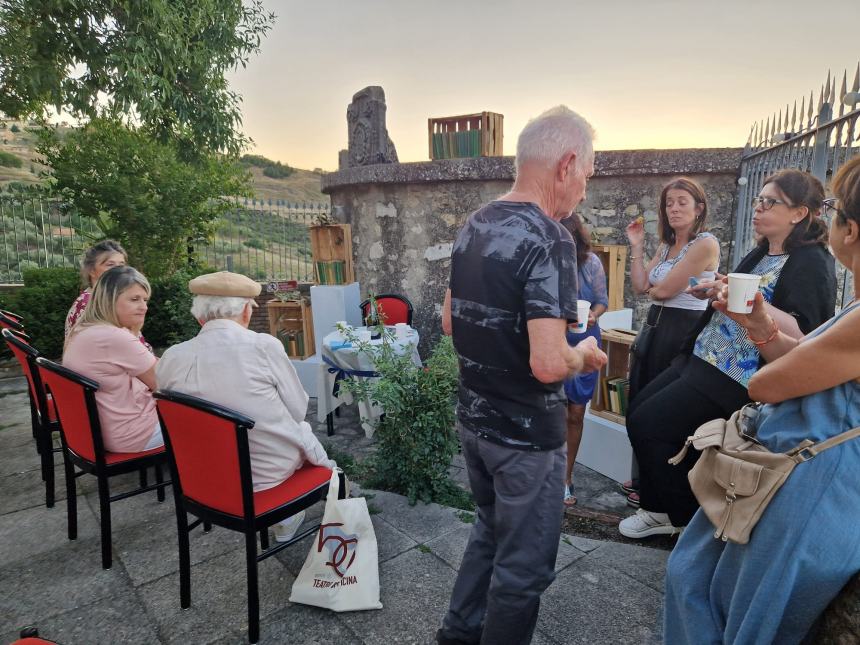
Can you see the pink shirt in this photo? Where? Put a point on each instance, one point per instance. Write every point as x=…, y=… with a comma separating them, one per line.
x=113, y=357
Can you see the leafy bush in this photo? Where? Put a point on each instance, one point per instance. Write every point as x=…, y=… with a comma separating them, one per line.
x=416, y=435
x=44, y=301
x=169, y=320
x=9, y=160
x=139, y=191
x=14, y=128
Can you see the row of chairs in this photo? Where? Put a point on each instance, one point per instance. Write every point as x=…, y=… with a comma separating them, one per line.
x=206, y=448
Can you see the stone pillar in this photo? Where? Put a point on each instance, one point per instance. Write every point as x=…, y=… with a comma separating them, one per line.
x=369, y=143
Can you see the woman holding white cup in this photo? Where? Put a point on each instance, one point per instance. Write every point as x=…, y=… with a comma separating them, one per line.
x=709, y=380
x=593, y=301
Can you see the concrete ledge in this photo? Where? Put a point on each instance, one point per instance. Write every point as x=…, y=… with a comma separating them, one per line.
x=607, y=163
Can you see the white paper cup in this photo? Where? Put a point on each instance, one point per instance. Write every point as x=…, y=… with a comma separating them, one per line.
x=401, y=330
x=742, y=290
x=363, y=335
x=582, y=309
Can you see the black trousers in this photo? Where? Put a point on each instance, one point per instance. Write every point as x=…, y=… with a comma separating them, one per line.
x=659, y=420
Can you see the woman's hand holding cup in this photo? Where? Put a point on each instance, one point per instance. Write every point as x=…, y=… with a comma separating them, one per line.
x=758, y=322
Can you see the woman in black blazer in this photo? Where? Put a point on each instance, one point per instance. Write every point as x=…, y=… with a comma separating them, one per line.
x=709, y=380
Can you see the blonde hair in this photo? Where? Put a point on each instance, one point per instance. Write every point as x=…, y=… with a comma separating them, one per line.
x=101, y=309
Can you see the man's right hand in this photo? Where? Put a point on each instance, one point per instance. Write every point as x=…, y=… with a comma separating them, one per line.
x=591, y=357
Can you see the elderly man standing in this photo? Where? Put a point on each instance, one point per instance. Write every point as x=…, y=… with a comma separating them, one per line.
x=228, y=364
x=512, y=293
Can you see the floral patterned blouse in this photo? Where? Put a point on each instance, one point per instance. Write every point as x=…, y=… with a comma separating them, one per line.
x=725, y=344
x=77, y=309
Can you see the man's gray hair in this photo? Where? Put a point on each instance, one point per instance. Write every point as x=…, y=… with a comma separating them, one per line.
x=553, y=134
x=208, y=308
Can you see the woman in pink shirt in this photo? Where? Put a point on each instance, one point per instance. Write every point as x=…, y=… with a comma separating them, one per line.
x=104, y=346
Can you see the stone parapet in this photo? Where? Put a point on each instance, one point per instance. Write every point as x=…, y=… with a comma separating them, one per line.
x=609, y=163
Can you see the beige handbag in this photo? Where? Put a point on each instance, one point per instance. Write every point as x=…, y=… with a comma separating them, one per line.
x=736, y=477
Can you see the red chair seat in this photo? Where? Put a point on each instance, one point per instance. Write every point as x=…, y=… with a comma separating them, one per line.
x=304, y=480
x=117, y=457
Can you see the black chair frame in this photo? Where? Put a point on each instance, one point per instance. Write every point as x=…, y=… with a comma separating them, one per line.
x=409, y=309
x=99, y=468
x=43, y=427
x=13, y=321
x=249, y=524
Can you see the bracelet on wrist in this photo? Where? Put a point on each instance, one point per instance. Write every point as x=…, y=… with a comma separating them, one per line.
x=773, y=334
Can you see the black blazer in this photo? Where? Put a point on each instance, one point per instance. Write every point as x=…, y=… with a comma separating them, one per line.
x=806, y=289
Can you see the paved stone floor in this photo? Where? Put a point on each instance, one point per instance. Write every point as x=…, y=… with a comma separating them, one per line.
x=605, y=592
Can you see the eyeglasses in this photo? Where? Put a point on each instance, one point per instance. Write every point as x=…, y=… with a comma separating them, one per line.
x=831, y=206
x=766, y=203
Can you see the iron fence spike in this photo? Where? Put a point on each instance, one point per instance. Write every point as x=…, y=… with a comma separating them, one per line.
x=794, y=118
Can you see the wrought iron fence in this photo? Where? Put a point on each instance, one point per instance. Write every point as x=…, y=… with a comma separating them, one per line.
x=263, y=239
x=815, y=139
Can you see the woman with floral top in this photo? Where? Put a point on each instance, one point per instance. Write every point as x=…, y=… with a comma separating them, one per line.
x=709, y=380
x=99, y=258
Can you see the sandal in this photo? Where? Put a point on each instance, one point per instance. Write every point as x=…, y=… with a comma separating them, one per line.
x=569, y=497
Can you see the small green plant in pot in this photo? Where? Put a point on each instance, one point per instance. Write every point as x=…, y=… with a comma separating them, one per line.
x=416, y=435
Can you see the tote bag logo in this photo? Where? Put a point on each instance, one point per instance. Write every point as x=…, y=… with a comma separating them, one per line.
x=340, y=546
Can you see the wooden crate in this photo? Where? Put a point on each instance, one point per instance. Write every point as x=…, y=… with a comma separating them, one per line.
x=616, y=343
x=292, y=316
x=614, y=260
x=446, y=134
x=332, y=242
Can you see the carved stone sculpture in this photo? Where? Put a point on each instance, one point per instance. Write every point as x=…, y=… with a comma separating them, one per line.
x=369, y=142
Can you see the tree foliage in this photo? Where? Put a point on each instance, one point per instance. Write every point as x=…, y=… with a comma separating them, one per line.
x=162, y=61
x=140, y=191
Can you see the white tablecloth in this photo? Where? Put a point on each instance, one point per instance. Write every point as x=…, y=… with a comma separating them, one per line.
x=349, y=359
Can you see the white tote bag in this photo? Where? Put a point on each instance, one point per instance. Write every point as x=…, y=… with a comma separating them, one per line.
x=341, y=571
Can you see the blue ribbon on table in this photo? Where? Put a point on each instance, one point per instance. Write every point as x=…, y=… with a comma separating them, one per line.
x=341, y=373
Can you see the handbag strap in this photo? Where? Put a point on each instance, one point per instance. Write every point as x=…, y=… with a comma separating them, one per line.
x=806, y=452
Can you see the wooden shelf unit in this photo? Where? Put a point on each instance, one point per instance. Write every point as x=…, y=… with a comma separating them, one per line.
x=614, y=260
x=616, y=343
x=292, y=317
x=488, y=143
x=332, y=243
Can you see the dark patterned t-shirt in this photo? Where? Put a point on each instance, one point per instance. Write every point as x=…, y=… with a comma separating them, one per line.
x=510, y=264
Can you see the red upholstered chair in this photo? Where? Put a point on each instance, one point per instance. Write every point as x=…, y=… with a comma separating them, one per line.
x=394, y=309
x=81, y=434
x=43, y=415
x=207, y=447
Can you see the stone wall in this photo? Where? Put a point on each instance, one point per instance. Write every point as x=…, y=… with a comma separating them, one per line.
x=405, y=217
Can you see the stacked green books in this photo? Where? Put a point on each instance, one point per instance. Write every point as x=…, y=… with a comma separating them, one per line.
x=618, y=394
x=331, y=272
x=450, y=145
x=294, y=342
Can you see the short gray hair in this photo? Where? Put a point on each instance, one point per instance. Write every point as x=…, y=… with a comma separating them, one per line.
x=208, y=308
x=553, y=134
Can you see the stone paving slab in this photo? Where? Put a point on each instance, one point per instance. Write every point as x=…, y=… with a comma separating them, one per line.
x=604, y=592
x=117, y=619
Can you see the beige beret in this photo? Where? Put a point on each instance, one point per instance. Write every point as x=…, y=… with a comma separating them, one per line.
x=224, y=283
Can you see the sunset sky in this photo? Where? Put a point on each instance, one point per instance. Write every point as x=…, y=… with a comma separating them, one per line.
x=647, y=74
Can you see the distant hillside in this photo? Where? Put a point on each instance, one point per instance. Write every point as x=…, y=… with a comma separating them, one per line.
x=300, y=186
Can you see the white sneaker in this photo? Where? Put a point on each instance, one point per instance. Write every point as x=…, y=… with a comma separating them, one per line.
x=284, y=531
x=644, y=523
